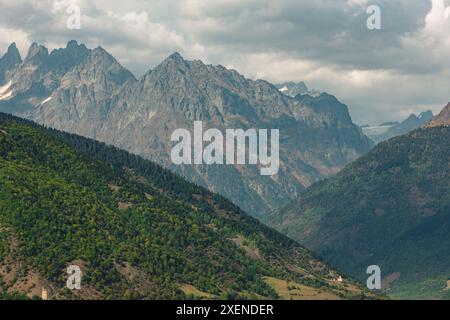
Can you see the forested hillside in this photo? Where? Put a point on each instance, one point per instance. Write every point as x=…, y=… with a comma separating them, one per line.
x=390, y=208
x=136, y=230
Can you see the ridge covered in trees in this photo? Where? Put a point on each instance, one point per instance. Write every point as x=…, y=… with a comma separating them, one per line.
x=390, y=208
x=136, y=230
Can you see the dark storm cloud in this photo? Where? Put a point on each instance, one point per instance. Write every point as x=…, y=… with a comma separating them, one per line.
x=332, y=31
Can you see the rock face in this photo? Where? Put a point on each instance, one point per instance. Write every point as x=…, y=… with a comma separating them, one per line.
x=443, y=119
x=9, y=62
x=82, y=101
x=39, y=75
x=91, y=94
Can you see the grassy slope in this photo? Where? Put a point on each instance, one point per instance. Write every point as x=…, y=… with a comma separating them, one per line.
x=136, y=230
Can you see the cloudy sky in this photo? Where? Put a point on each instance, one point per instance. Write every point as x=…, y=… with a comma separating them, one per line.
x=380, y=74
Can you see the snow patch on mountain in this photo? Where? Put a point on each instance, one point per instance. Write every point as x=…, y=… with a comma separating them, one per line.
x=5, y=88
x=284, y=89
x=46, y=100
x=4, y=93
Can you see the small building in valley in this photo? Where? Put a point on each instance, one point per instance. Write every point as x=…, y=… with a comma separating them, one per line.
x=44, y=294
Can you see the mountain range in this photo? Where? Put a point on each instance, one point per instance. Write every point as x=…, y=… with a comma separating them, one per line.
x=89, y=93
x=136, y=230
x=390, y=208
x=387, y=131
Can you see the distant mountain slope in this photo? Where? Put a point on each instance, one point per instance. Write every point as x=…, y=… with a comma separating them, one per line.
x=390, y=208
x=412, y=123
x=374, y=132
x=88, y=92
x=135, y=229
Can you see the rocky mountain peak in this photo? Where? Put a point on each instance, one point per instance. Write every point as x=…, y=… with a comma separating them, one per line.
x=292, y=88
x=37, y=54
x=172, y=63
x=73, y=44
x=324, y=103
x=9, y=61
x=101, y=53
x=176, y=56
x=65, y=58
x=426, y=115
x=443, y=119
x=418, y=120
x=100, y=61
x=13, y=54
x=172, y=74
